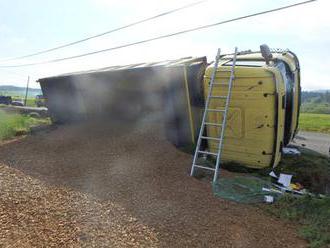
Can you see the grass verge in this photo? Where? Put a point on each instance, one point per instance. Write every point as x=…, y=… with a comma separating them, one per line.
x=314, y=122
x=12, y=125
x=311, y=214
x=312, y=170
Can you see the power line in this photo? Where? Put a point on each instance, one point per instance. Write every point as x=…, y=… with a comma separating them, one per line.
x=160, y=37
x=106, y=32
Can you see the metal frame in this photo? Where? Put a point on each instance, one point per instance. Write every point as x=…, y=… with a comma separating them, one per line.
x=221, y=125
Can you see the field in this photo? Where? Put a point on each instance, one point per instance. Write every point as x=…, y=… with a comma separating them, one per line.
x=316, y=108
x=9, y=90
x=314, y=122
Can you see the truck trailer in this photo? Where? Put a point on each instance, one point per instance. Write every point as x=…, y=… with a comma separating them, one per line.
x=263, y=113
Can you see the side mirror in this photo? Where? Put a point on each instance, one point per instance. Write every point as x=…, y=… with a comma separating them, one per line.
x=265, y=52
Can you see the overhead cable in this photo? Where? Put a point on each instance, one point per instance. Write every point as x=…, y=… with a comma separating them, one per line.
x=106, y=32
x=159, y=37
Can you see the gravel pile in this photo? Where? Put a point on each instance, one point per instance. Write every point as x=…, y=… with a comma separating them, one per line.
x=33, y=214
x=87, y=184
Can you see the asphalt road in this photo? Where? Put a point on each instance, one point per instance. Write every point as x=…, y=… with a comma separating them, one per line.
x=319, y=142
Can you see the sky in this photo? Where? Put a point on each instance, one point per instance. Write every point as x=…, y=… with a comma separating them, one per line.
x=27, y=26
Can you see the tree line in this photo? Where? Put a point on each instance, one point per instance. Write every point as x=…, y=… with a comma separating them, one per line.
x=316, y=97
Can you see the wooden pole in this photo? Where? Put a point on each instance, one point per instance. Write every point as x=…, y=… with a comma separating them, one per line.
x=27, y=90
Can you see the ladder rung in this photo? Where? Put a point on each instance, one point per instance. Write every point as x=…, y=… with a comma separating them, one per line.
x=225, y=80
x=210, y=138
x=213, y=124
x=220, y=97
x=203, y=167
x=209, y=153
x=215, y=110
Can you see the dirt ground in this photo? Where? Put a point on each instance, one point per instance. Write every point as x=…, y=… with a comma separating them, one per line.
x=105, y=186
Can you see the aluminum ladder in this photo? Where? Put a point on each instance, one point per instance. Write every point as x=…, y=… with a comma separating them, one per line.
x=221, y=125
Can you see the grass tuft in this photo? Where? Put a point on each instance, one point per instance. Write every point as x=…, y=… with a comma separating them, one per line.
x=12, y=125
x=312, y=214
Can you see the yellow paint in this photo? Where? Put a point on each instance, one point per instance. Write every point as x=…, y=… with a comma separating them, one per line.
x=191, y=122
x=255, y=118
x=290, y=60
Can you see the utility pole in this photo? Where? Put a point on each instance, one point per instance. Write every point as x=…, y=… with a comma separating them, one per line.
x=27, y=90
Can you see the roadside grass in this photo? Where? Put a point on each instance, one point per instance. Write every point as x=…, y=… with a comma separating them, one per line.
x=12, y=125
x=312, y=170
x=30, y=102
x=310, y=213
x=314, y=122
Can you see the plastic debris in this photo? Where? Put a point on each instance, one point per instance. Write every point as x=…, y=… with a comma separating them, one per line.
x=296, y=186
x=272, y=174
x=285, y=179
x=268, y=199
x=244, y=189
x=291, y=151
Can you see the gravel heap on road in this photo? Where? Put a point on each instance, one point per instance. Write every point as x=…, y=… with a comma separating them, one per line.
x=33, y=214
x=99, y=177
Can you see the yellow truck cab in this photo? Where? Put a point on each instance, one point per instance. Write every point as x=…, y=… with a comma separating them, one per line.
x=264, y=106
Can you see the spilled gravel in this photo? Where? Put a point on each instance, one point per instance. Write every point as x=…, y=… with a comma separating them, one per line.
x=115, y=186
x=34, y=214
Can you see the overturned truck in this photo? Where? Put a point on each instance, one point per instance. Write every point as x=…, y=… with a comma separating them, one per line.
x=262, y=117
